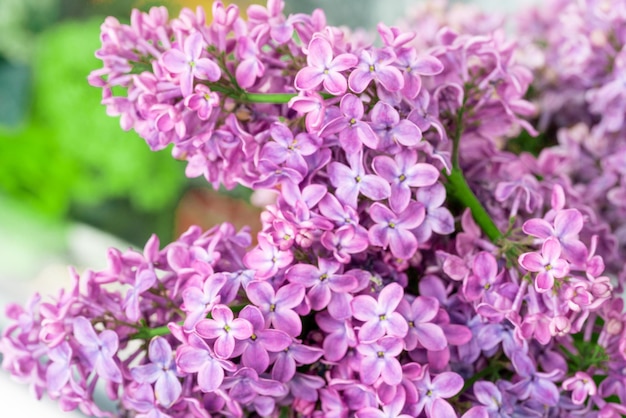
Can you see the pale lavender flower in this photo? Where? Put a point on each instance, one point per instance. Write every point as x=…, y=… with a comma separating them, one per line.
x=491, y=402
x=322, y=281
x=522, y=189
x=144, y=280
x=381, y=359
x=98, y=350
x=266, y=259
x=567, y=225
x=198, y=302
x=312, y=105
x=340, y=335
x=380, y=316
x=376, y=65
x=419, y=316
x=59, y=371
x=432, y=393
x=425, y=113
x=272, y=175
x=245, y=385
x=202, y=101
x=345, y=241
x=197, y=357
x=394, y=37
x=353, y=131
x=340, y=213
x=582, y=385
x=250, y=66
x=254, y=350
x=483, y=278
x=234, y=281
x=394, y=230
x=189, y=63
x=333, y=406
x=536, y=385
x=413, y=67
x=323, y=68
x=404, y=173
x=270, y=21
x=277, y=307
x=393, y=131
x=285, y=361
x=548, y=264
x=392, y=409
x=225, y=328
x=140, y=398
x=223, y=20
x=284, y=147
x=305, y=388
x=438, y=217
x=161, y=371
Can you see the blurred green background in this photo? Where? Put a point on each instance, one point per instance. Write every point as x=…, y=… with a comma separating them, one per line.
x=62, y=159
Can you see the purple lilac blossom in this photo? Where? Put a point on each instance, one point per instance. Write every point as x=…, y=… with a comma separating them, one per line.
x=375, y=288
x=161, y=371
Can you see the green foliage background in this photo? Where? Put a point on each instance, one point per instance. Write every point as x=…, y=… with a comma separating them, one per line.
x=68, y=157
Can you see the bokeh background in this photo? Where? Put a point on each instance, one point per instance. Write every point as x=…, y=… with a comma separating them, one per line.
x=72, y=183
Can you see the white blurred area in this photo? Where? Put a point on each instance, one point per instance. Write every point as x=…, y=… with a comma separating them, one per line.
x=18, y=402
x=34, y=257
x=35, y=254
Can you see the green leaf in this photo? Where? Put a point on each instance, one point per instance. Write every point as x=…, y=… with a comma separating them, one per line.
x=70, y=157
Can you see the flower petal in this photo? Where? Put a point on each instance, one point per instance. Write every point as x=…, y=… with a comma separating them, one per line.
x=390, y=297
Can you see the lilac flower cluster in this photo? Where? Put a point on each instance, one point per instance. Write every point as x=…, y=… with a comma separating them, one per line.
x=580, y=86
x=417, y=261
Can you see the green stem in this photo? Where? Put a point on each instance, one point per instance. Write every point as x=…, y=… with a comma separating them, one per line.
x=458, y=131
x=248, y=97
x=462, y=192
x=271, y=98
x=147, y=333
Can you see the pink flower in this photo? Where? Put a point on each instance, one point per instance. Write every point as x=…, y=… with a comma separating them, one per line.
x=189, y=64
x=432, y=393
x=250, y=67
x=581, y=385
x=225, y=328
x=99, y=350
x=277, y=307
x=381, y=359
x=567, y=225
x=353, y=131
x=197, y=357
x=323, y=68
x=266, y=259
x=394, y=230
x=404, y=173
x=344, y=241
x=379, y=315
x=548, y=264
x=202, y=101
x=353, y=181
x=376, y=65
x=419, y=316
x=483, y=278
x=322, y=281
